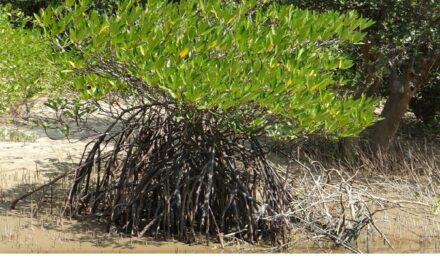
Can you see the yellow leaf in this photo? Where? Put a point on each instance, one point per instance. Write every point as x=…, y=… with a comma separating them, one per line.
x=274, y=65
x=103, y=28
x=289, y=82
x=200, y=48
x=269, y=47
x=230, y=20
x=72, y=64
x=300, y=89
x=213, y=44
x=183, y=53
x=142, y=50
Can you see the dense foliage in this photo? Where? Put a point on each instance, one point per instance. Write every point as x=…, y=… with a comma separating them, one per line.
x=28, y=7
x=278, y=61
x=32, y=7
x=399, y=60
x=26, y=69
x=426, y=105
x=403, y=29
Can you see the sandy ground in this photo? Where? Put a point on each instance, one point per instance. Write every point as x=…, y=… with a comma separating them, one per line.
x=23, y=165
x=46, y=234
x=44, y=155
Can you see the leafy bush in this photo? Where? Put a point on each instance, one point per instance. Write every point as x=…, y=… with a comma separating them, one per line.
x=27, y=7
x=191, y=87
x=26, y=69
x=426, y=105
x=277, y=62
x=32, y=7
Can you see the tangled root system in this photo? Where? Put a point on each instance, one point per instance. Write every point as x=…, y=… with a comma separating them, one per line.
x=161, y=171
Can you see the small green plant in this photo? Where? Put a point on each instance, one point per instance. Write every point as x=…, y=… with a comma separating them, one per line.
x=63, y=109
x=15, y=135
x=436, y=207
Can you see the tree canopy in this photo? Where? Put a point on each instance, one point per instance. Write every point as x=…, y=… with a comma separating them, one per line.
x=223, y=56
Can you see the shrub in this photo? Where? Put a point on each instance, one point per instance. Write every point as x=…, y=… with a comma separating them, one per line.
x=192, y=86
x=26, y=70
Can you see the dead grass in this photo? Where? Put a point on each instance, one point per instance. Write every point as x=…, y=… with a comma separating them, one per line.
x=385, y=204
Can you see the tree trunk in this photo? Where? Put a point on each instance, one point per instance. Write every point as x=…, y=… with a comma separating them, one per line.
x=402, y=86
x=395, y=107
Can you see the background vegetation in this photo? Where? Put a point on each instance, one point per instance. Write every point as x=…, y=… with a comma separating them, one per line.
x=26, y=69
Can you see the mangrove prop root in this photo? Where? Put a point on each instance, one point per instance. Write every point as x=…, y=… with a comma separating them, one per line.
x=180, y=175
x=46, y=185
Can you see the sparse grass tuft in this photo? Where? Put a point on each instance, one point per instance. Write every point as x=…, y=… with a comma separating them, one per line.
x=15, y=135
